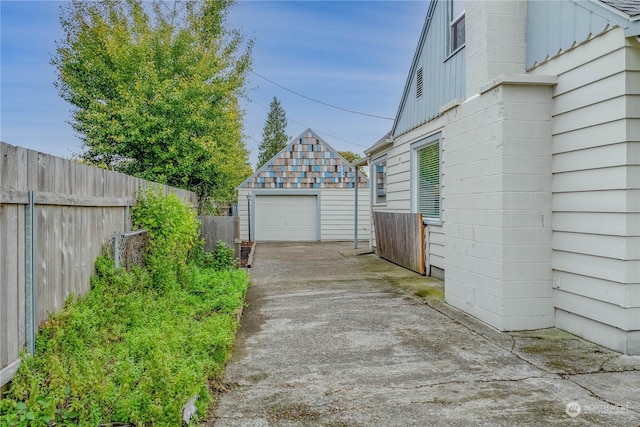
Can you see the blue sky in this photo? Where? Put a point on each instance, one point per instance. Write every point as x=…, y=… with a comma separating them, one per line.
x=352, y=54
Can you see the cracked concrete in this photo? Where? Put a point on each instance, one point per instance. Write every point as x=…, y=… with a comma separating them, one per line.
x=330, y=338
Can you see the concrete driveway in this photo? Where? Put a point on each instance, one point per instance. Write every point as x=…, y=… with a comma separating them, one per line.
x=329, y=338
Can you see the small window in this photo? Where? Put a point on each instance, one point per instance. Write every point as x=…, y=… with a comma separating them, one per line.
x=419, y=83
x=457, y=25
x=380, y=176
x=426, y=155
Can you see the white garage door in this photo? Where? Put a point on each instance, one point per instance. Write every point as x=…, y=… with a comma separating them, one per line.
x=291, y=218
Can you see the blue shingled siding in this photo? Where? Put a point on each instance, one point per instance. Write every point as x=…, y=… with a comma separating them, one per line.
x=307, y=162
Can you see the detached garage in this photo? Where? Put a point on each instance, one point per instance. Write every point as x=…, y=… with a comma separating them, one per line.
x=304, y=193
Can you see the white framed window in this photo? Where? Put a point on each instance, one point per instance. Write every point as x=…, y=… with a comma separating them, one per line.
x=380, y=180
x=458, y=33
x=426, y=178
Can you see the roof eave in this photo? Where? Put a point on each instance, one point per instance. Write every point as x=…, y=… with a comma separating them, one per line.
x=414, y=63
x=630, y=24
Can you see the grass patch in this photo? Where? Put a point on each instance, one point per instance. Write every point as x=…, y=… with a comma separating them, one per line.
x=139, y=344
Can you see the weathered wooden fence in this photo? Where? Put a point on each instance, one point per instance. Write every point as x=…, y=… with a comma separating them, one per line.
x=400, y=239
x=225, y=228
x=55, y=216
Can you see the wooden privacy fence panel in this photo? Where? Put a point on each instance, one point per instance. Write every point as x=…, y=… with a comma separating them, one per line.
x=400, y=239
x=62, y=212
x=225, y=228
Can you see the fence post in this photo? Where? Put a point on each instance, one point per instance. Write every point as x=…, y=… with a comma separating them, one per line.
x=116, y=250
x=29, y=273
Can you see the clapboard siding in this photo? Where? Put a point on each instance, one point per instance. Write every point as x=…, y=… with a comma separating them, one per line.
x=611, y=314
x=609, y=133
x=595, y=201
x=607, y=223
x=615, y=177
x=607, y=269
x=610, y=87
x=590, y=115
x=603, y=290
x=77, y=209
x=606, y=246
x=593, y=70
x=591, y=158
x=436, y=246
x=338, y=216
x=337, y=212
x=596, y=186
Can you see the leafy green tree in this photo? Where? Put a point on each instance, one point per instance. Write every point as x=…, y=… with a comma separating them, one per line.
x=154, y=89
x=350, y=156
x=274, y=137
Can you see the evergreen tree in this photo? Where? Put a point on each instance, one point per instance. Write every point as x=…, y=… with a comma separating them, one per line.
x=274, y=137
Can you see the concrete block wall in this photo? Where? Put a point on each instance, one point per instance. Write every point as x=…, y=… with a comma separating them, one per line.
x=497, y=207
x=527, y=231
x=472, y=208
x=495, y=40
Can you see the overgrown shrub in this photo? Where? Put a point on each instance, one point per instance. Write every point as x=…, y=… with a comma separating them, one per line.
x=139, y=344
x=222, y=258
x=173, y=231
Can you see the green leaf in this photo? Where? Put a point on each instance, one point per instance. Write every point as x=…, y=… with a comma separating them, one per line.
x=155, y=94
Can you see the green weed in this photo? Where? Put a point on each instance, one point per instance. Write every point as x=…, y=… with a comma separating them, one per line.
x=140, y=343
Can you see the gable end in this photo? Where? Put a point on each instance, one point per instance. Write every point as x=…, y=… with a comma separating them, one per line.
x=306, y=162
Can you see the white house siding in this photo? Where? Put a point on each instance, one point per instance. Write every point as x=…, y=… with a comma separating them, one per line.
x=434, y=240
x=497, y=207
x=596, y=190
x=337, y=212
x=399, y=187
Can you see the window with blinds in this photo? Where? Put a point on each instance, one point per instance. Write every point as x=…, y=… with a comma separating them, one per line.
x=380, y=177
x=428, y=186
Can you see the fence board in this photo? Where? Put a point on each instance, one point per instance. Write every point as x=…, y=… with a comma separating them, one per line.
x=77, y=209
x=400, y=239
x=9, y=263
x=225, y=228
